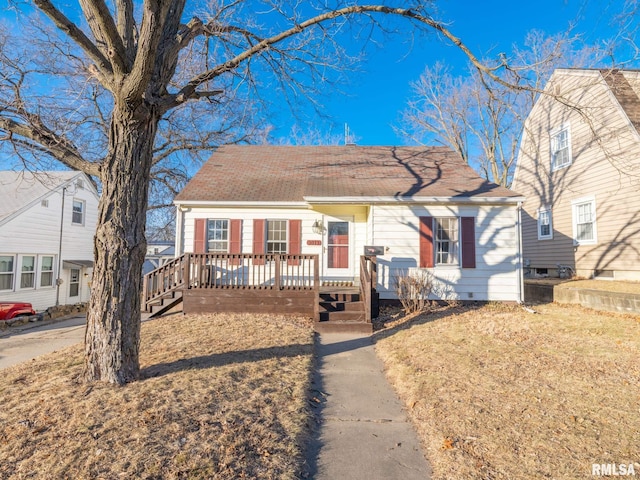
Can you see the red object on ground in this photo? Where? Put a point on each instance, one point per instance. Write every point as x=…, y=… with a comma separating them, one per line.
x=10, y=310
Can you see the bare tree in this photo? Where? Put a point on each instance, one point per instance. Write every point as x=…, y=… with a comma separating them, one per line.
x=482, y=119
x=108, y=91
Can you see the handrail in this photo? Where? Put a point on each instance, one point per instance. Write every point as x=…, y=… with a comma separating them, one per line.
x=365, y=287
x=165, y=279
x=368, y=286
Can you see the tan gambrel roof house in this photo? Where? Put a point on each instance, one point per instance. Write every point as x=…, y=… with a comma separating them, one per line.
x=578, y=168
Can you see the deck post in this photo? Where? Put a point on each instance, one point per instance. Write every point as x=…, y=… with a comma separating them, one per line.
x=145, y=286
x=316, y=289
x=186, y=276
x=375, y=302
x=277, y=280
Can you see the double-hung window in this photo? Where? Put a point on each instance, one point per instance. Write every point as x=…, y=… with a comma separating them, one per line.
x=276, y=236
x=28, y=272
x=46, y=271
x=560, y=148
x=77, y=216
x=6, y=272
x=218, y=236
x=446, y=240
x=584, y=221
x=545, y=229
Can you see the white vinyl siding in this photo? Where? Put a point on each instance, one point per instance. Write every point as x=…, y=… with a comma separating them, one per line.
x=560, y=148
x=545, y=227
x=36, y=232
x=396, y=227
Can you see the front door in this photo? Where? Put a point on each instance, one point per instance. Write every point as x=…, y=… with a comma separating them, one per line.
x=338, y=248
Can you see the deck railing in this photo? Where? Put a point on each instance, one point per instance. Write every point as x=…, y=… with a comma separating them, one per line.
x=164, y=280
x=242, y=271
x=214, y=270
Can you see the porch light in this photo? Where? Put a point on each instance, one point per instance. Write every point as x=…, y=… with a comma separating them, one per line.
x=318, y=227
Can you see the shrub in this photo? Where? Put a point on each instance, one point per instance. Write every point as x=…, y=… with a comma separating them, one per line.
x=413, y=290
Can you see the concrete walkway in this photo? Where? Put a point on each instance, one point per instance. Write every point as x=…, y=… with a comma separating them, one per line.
x=363, y=431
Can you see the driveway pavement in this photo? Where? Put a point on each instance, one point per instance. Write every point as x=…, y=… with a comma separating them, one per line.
x=19, y=344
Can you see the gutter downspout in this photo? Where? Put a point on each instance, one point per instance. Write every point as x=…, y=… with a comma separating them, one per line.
x=520, y=270
x=179, y=247
x=59, y=279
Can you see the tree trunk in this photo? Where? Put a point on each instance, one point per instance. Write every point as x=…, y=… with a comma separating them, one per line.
x=112, y=338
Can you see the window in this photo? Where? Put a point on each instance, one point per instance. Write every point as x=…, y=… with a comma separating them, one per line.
x=218, y=236
x=46, y=271
x=446, y=240
x=584, y=221
x=28, y=272
x=277, y=236
x=6, y=272
x=77, y=216
x=560, y=148
x=545, y=230
x=74, y=282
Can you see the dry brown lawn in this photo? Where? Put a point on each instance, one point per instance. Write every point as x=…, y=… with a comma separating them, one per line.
x=499, y=393
x=222, y=397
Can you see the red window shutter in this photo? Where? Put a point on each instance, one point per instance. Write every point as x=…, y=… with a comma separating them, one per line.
x=426, y=242
x=200, y=236
x=235, y=240
x=258, y=239
x=295, y=240
x=468, y=242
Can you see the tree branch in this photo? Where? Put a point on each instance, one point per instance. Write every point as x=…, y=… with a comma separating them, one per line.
x=189, y=89
x=105, y=70
x=59, y=147
x=104, y=30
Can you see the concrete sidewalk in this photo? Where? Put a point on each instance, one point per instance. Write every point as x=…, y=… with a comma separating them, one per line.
x=363, y=431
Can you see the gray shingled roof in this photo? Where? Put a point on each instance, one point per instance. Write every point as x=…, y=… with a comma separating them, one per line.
x=265, y=173
x=18, y=190
x=624, y=93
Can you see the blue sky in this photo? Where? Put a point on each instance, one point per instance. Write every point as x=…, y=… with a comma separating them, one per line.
x=379, y=93
x=376, y=95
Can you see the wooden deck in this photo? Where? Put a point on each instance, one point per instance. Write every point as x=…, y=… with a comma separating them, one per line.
x=282, y=284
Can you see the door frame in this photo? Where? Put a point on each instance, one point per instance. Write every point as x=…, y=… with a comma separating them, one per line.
x=337, y=273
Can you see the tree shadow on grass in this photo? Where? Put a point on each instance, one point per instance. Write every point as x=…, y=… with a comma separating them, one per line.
x=225, y=358
x=386, y=329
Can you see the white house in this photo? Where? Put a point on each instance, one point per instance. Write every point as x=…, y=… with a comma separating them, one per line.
x=47, y=224
x=424, y=207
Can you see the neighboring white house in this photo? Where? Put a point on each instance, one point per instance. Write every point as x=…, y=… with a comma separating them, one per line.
x=159, y=252
x=47, y=225
x=424, y=207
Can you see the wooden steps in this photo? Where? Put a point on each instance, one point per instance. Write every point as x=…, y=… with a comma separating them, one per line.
x=342, y=310
x=164, y=304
